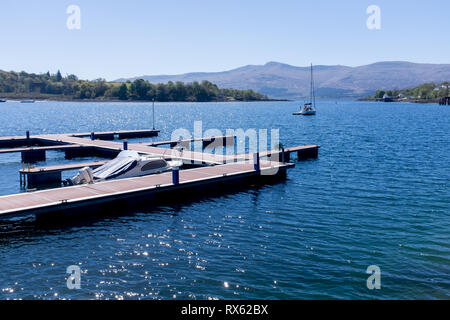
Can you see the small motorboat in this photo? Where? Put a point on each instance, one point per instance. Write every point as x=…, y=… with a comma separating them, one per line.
x=128, y=164
x=27, y=101
x=2, y=100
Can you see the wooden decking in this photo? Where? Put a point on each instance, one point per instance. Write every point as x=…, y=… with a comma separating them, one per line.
x=68, y=142
x=35, y=177
x=219, y=169
x=187, y=156
x=46, y=148
x=304, y=152
x=223, y=140
x=63, y=167
x=85, y=195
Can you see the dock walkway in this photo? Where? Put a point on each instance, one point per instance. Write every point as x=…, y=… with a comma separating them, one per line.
x=85, y=195
x=216, y=169
x=188, y=156
x=228, y=140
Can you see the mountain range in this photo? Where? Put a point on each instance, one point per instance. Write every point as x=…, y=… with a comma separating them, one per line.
x=279, y=80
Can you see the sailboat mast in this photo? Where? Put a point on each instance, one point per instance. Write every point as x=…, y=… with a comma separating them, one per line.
x=311, y=88
x=313, y=94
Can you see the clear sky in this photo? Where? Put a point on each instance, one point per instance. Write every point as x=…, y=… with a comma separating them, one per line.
x=137, y=37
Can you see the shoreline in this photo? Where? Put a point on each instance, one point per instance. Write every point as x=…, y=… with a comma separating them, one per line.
x=430, y=101
x=59, y=99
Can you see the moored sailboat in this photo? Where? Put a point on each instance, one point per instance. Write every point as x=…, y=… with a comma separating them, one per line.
x=309, y=109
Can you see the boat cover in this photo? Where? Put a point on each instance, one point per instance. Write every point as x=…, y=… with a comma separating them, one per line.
x=126, y=160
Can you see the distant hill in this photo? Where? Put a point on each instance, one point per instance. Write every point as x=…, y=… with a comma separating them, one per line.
x=278, y=80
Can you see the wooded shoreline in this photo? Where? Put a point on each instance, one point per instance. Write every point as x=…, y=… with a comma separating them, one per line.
x=19, y=98
x=424, y=101
x=22, y=85
x=426, y=93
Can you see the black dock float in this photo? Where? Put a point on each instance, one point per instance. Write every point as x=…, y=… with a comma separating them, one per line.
x=44, y=178
x=138, y=134
x=83, y=152
x=20, y=142
x=121, y=134
x=306, y=154
x=284, y=155
x=32, y=156
x=104, y=136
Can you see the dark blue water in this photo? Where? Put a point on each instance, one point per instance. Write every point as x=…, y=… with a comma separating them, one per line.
x=379, y=194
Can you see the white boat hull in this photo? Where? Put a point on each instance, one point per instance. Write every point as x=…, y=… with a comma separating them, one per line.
x=305, y=113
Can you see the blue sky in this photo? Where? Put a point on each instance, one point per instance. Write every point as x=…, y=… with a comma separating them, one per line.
x=137, y=37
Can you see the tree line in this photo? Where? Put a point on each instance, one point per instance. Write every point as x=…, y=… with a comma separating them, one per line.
x=21, y=84
x=427, y=91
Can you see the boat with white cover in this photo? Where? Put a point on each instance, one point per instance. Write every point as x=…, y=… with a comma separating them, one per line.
x=128, y=164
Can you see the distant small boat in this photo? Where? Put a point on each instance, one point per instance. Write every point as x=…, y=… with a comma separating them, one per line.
x=27, y=101
x=309, y=109
x=2, y=100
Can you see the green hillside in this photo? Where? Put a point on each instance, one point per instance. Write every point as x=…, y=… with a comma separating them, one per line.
x=55, y=86
x=427, y=91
